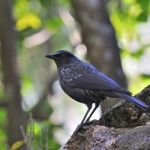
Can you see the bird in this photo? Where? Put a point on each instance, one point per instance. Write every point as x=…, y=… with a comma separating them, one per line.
x=86, y=84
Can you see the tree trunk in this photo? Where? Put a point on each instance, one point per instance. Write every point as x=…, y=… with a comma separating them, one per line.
x=99, y=37
x=15, y=114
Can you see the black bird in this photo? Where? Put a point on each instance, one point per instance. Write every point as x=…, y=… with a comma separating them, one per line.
x=85, y=84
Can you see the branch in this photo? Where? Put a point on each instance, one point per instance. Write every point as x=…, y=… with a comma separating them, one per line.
x=126, y=114
x=3, y=103
x=104, y=138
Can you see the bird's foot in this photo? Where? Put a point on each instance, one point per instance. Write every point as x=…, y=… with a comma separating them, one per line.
x=79, y=127
x=88, y=123
x=84, y=126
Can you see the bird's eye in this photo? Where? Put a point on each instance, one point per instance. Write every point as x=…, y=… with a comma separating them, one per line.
x=62, y=56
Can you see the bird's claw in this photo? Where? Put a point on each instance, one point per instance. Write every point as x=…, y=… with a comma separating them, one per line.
x=79, y=127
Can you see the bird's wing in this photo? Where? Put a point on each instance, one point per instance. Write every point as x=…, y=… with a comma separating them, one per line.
x=95, y=81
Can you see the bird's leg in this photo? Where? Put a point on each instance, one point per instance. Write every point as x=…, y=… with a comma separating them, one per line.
x=80, y=125
x=96, y=106
x=89, y=108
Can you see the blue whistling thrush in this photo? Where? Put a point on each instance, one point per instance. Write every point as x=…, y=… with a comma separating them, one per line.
x=86, y=84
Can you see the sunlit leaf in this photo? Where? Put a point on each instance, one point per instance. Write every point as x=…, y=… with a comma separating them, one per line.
x=28, y=20
x=140, y=82
x=17, y=145
x=26, y=84
x=135, y=10
x=36, y=127
x=129, y=2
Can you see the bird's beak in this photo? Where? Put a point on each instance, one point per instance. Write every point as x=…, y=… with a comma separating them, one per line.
x=50, y=56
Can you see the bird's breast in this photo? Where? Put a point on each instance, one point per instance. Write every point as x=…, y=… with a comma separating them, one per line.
x=69, y=73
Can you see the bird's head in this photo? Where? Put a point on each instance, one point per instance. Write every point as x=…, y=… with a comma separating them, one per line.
x=62, y=57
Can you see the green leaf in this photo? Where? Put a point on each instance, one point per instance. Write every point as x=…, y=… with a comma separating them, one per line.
x=144, y=3
x=28, y=20
x=143, y=17
x=17, y=145
x=53, y=23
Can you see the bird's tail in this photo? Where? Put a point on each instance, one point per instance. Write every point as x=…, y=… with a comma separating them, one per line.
x=136, y=101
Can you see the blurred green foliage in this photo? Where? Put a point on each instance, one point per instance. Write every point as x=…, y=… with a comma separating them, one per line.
x=40, y=135
x=127, y=17
x=44, y=137
x=3, y=122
